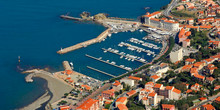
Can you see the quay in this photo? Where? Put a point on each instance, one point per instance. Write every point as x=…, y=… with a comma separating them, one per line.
x=107, y=62
x=100, y=38
x=70, y=17
x=66, y=65
x=101, y=71
x=124, y=56
x=28, y=78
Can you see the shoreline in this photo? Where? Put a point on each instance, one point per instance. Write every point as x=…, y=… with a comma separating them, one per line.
x=55, y=90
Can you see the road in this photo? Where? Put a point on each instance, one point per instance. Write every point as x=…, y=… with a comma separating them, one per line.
x=173, y=3
x=209, y=99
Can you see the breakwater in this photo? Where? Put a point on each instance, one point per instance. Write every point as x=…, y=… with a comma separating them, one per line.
x=100, y=38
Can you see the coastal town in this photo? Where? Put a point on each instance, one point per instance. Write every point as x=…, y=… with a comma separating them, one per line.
x=185, y=75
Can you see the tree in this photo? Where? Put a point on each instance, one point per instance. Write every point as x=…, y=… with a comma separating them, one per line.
x=62, y=102
x=107, y=106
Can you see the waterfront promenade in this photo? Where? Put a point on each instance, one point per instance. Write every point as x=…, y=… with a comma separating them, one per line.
x=100, y=38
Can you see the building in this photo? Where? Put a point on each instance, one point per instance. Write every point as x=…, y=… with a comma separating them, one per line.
x=155, y=78
x=86, y=87
x=122, y=107
x=130, y=93
x=151, y=19
x=186, y=68
x=209, y=80
x=127, y=81
x=190, y=21
x=214, y=44
x=207, y=107
x=199, y=77
x=152, y=97
x=168, y=107
x=64, y=107
x=121, y=100
x=159, y=69
x=89, y=104
x=176, y=54
x=135, y=78
x=196, y=87
x=186, y=43
x=189, y=61
x=108, y=94
x=117, y=86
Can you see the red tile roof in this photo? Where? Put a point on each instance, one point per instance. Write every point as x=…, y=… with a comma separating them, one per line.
x=86, y=87
x=199, y=76
x=167, y=106
x=157, y=85
x=208, y=107
x=210, y=78
x=202, y=98
x=155, y=77
x=116, y=83
x=190, y=60
x=152, y=14
x=169, y=87
x=152, y=94
x=122, y=107
x=134, y=78
x=64, y=107
x=121, y=99
x=132, y=92
x=87, y=104
x=176, y=91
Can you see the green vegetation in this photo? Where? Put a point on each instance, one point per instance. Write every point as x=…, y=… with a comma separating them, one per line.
x=129, y=73
x=171, y=45
x=107, y=106
x=183, y=13
x=216, y=105
x=199, y=38
x=145, y=79
x=182, y=104
x=203, y=53
x=133, y=103
x=62, y=102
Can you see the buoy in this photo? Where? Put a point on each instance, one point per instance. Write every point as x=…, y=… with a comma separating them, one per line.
x=19, y=59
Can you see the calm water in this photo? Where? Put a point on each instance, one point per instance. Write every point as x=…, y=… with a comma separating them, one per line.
x=33, y=30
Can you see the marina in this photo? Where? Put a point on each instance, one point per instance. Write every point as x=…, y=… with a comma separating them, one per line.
x=138, y=49
x=110, y=63
x=127, y=56
x=146, y=44
x=101, y=71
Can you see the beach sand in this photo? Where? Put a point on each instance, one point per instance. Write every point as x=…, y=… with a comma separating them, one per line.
x=55, y=86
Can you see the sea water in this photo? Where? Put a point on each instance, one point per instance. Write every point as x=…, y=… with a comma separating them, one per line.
x=33, y=30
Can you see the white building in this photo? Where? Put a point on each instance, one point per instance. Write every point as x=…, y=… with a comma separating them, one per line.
x=127, y=81
x=176, y=54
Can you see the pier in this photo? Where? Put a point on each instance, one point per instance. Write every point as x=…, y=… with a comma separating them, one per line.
x=101, y=71
x=107, y=62
x=70, y=17
x=124, y=56
x=66, y=65
x=100, y=38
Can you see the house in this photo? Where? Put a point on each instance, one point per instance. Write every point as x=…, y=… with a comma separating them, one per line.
x=176, y=54
x=108, y=94
x=200, y=13
x=90, y=104
x=186, y=68
x=168, y=107
x=202, y=99
x=117, y=86
x=209, y=61
x=189, y=61
x=199, y=65
x=217, y=87
x=152, y=97
x=186, y=43
x=199, y=77
x=135, y=78
x=127, y=81
x=64, y=107
x=196, y=87
x=155, y=78
x=159, y=69
x=214, y=44
x=217, y=100
x=207, y=107
x=122, y=107
x=86, y=87
x=193, y=71
x=149, y=85
x=190, y=21
x=132, y=92
x=181, y=7
x=176, y=94
x=143, y=93
x=209, y=79
x=121, y=100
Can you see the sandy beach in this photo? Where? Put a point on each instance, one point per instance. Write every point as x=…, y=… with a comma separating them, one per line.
x=55, y=86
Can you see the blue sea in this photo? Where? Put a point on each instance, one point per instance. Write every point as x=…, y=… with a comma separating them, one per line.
x=33, y=30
